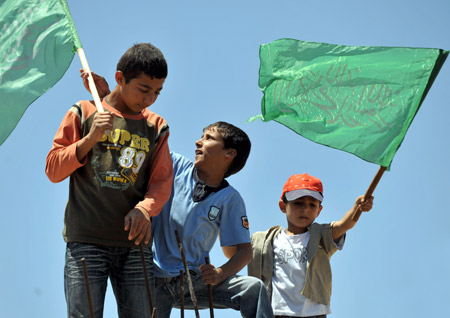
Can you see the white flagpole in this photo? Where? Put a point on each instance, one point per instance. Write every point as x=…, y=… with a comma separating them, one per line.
x=92, y=86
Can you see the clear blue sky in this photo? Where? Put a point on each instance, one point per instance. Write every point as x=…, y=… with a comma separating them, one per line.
x=395, y=261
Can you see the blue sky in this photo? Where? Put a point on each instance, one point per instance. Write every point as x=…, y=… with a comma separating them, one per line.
x=395, y=261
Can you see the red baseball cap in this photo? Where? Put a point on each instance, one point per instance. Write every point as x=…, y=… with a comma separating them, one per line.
x=301, y=185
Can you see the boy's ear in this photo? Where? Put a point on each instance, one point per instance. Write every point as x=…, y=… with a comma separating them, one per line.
x=230, y=153
x=282, y=206
x=320, y=209
x=120, y=78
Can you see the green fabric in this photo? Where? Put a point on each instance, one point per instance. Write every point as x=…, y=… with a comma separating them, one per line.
x=37, y=43
x=357, y=99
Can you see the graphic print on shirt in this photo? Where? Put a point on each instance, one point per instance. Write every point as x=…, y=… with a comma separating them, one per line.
x=245, y=222
x=297, y=255
x=213, y=213
x=128, y=153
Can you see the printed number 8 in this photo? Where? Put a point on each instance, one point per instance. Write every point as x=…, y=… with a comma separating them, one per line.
x=126, y=160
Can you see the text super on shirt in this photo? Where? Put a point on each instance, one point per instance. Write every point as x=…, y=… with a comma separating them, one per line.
x=130, y=167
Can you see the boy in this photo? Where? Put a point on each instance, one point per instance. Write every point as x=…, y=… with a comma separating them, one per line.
x=294, y=263
x=202, y=206
x=117, y=182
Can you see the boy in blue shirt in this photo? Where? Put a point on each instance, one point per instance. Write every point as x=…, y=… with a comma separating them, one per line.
x=203, y=206
x=294, y=263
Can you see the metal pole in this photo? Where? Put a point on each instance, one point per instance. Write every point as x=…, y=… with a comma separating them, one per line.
x=147, y=285
x=188, y=276
x=181, y=294
x=210, y=296
x=88, y=289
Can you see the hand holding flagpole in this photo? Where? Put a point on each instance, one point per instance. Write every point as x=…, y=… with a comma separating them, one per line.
x=92, y=86
x=370, y=191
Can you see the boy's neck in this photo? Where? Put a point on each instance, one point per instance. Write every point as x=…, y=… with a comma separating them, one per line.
x=115, y=100
x=210, y=179
x=295, y=231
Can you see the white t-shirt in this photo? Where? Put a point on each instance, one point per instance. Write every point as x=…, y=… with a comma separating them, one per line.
x=290, y=258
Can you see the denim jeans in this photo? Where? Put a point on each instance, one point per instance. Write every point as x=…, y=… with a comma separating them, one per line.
x=320, y=316
x=243, y=293
x=123, y=266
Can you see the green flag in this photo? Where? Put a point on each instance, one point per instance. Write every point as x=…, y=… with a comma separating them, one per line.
x=354, y=98
x=37, y=43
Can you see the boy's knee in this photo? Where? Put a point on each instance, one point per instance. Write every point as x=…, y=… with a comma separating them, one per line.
x=255, y=284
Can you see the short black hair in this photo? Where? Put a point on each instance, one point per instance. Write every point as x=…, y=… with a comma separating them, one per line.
x=233, y=138
x=142, y=58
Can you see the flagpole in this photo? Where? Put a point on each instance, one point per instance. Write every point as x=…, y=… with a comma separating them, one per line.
x=370, y=191
x=92, y=86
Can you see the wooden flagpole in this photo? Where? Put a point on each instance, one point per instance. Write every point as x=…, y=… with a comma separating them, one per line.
x=92, y=86
x=370, y=191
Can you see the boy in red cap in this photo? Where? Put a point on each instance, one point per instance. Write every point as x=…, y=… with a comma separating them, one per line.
x=294, y=263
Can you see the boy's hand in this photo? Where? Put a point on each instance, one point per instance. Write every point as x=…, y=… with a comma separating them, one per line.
x=138, y=222
x=100, y=83
x=340, y=227
x=102, y=122
x=364, y=205
x=211, y=275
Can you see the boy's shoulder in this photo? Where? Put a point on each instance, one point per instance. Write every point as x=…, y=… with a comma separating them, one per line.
x=153, y=117
x=180, y=163
x=261, y=236
x=82, y=109
x=314, y=227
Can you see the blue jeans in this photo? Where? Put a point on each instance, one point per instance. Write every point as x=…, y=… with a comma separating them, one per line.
x=243, y=293
x=123, y=266
x=320, y=316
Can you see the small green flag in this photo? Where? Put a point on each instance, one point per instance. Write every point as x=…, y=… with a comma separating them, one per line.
x=37, y=43
x=357, y=99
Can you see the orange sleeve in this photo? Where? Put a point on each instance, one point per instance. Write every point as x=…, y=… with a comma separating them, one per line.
x=161, y=177
x=62, y=159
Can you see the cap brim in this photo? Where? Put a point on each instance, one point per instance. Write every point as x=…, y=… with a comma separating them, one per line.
x=295, y=194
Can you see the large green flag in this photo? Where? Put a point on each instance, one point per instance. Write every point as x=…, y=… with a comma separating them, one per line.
x=354, y=98
x=37, y=43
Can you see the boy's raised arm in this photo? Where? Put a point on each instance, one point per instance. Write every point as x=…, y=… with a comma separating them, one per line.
x=100, y=83
x=346, y=223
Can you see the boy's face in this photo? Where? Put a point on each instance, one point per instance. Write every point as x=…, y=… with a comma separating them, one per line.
x=140, y=92
x=301, y=213
x=210, y=154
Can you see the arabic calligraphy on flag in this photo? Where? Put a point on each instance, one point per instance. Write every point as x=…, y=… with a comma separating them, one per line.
x=358, y=99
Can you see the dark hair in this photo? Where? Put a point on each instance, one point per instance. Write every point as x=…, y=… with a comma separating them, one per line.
x=233, y=138
x=142, y=58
